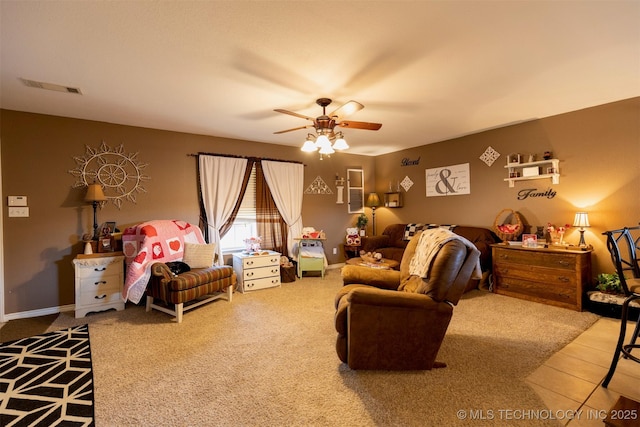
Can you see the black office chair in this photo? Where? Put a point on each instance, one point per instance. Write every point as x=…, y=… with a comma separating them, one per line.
x=624, y=249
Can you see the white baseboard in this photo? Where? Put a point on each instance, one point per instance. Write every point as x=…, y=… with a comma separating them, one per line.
x=39, y=312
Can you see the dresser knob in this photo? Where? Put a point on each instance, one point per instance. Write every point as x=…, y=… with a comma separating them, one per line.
x=100, y=269
x=100, y=297
x=563, y=262
x=563, y=279
x=101, y=282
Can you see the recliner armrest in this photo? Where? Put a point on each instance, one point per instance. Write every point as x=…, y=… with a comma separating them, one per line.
x=384, y=279
x=388, y=298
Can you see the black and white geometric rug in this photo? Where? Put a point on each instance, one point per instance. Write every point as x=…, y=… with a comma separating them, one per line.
x=47, y=380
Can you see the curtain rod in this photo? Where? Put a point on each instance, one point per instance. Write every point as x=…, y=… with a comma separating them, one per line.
x=244, y=157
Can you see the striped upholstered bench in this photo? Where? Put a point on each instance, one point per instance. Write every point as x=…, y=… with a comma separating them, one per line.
x=174, y=294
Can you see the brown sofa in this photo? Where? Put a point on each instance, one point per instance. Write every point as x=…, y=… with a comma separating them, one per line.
x=391, y=320
x=392, y=243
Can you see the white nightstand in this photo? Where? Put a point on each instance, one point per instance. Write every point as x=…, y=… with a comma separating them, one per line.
x=257, y=271
x=99, y=282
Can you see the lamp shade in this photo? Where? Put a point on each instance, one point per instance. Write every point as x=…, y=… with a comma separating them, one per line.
x=309, y=146
x=581, y=220
x=94, y=193
x=373, y=201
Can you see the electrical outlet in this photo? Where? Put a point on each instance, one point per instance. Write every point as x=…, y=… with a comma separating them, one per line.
x=335, y=251
x=22, y=212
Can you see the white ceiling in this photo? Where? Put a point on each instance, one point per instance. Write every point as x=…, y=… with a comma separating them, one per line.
x=427, y=70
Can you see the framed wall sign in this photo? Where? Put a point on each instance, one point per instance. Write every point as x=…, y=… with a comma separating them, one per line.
x=448, y=181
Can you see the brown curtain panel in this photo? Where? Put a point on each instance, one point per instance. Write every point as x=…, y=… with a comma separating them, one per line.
x=271, y=227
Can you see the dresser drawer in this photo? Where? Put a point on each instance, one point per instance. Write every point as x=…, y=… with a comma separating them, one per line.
x=98, y=270
x=92, y=298
x=534, y=258
x=255, y=284
x=260, y=261
x=562, y=296
x=261, y=272
x=549, y=276
x=93, y=285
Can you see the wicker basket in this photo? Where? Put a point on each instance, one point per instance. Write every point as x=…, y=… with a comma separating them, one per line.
x=515, y=216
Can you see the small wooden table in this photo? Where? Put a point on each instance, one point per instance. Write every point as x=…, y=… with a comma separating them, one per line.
x=384, y=264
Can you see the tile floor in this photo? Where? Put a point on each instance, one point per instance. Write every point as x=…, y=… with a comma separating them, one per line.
x=570, y=380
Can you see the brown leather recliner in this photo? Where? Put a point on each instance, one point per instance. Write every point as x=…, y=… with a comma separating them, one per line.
x=390, y=320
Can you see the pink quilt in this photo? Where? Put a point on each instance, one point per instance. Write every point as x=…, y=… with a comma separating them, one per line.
x=149, y=242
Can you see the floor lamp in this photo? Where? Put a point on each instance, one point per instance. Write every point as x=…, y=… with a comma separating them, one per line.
x=95, y=196
x=373, y=201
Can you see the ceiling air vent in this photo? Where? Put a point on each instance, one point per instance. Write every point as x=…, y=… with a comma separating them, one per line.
x=51, y=86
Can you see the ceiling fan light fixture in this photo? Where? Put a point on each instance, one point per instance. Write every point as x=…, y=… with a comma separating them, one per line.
x=326, y=150
x=308, y=147
x=340, y=143
x=323, y=142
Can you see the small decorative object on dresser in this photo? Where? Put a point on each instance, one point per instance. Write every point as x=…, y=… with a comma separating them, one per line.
x=99, y=281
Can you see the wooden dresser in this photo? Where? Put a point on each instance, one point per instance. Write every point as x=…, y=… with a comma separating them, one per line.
x=551, y=276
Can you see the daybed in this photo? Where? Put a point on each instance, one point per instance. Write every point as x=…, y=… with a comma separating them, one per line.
x=395, y=237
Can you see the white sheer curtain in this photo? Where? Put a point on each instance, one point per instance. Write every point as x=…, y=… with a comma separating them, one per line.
x=285, y=181
x=220, y=183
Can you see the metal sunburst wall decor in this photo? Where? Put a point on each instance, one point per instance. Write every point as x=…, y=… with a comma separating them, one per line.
x=120, y=174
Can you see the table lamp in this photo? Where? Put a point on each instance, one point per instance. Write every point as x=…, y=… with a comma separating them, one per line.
x=373, y=201
x=95, y=196
x=581, y=220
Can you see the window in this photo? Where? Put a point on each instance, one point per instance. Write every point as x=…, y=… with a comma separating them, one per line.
x=244, y=225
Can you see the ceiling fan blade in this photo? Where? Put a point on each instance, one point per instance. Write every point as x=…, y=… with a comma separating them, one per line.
x=347, y=109
x=290, y=130
x=291, y=113
x=360, y=125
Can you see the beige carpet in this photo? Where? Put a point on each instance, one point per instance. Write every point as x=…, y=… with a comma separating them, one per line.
x=268, y=359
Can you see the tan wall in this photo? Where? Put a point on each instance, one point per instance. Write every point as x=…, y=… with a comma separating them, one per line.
x=39, y=150
x=599, y=150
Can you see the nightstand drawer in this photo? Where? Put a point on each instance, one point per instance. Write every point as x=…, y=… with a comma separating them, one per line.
x=92, y=298
x=260, y=261
x=99, y=270
x=255, y=284
x=261, y=272
x=92, y=285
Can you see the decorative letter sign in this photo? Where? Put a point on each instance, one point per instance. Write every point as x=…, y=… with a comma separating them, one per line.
x=448, y=181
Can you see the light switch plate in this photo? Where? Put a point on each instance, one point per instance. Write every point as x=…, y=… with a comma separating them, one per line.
x=19, y=212
x=17, y=200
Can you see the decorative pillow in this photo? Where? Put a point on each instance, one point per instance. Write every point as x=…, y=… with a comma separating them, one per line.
x=411, y=230
x=199, y=255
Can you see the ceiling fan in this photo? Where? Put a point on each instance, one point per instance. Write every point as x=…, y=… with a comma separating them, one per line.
x=325, y=127
x=325, y=124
